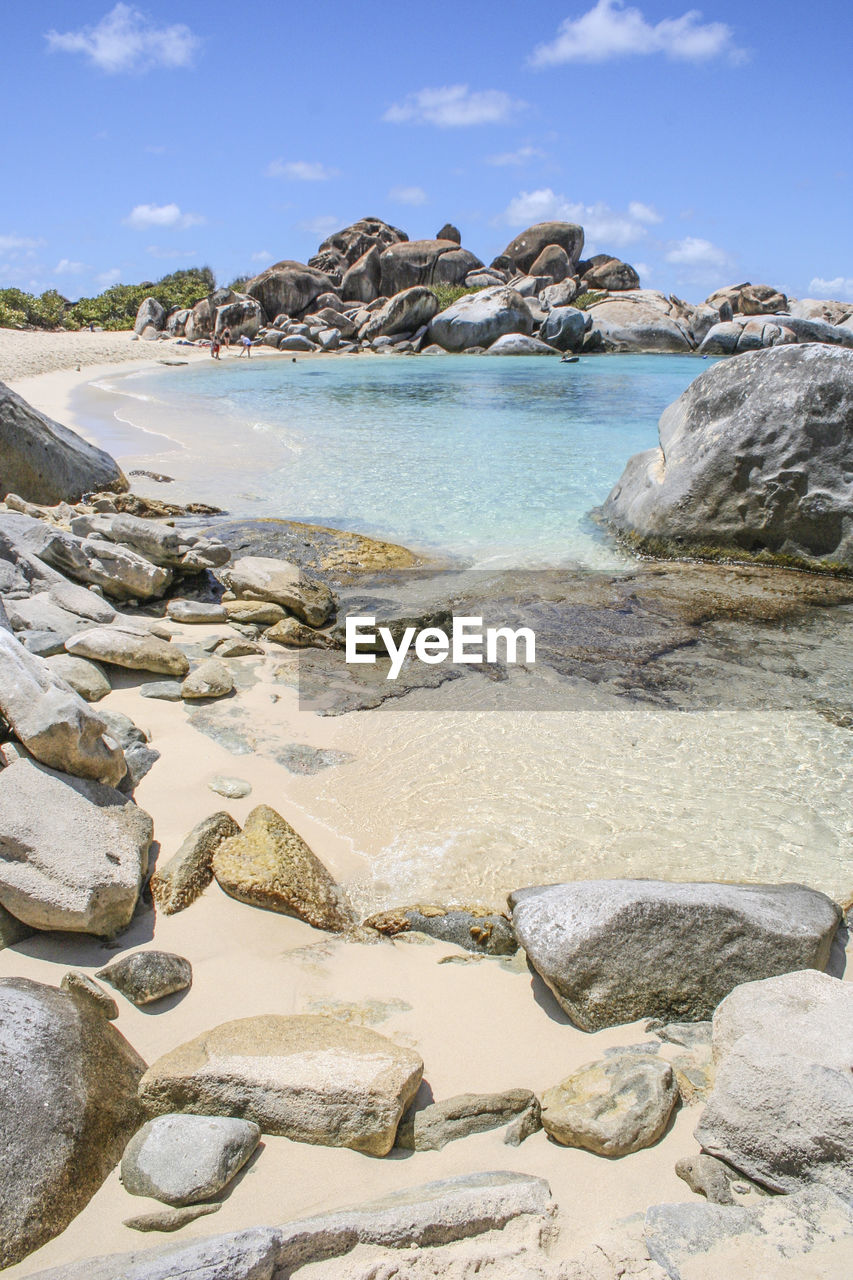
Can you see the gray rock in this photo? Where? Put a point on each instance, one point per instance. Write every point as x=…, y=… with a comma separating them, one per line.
x=641, y=320
x=139, y=756
x=612, y=1107
x=518, y=344
x=184, y=1159
x=188, y=872
x=12, y=930
x=612, y=275
x=40, y=612
x=794, y=1237
x=613, y=951
x=135, y=650
x=361, y=281
x=757, y=459
x=477, y=319
x=86, y=678
x=210, y=679
x=522, y=252
x=51, y=720
x=235, y=648
x=121, y=573
x=72, y=852
x=68, y=1105
x=564, y=328
x=288, y=287
x=296, y=342
x=345, y=248
x=423, y=262
x=474, y=928
x=559, y=295
x=281, y=583
x=431, y=1128
x=708, y=1177
x=231, y=788
x=151, y=314
x=311, y=1079
x=43, y=644
x=742, y=334
x=781, y=1109
x=170, y=1219
x=195, y=611
x=553, y=262
x=524, y=1125
x=252, y=1254
x=403, y=313
x=46, y=462
x=85, y=988
x=243, y=317
x=166, y=690
x=146, y=976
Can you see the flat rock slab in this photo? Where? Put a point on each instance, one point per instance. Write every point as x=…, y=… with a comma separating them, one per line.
x=282, y=583
x=72, y=852
x=478, y=929
x=135, y=650
x=194, y=611
x=269, y=865
x=146, y=976
x=311, y=1079
x=188, y=872
x=794, y=1237
x=781, y=1110
x=166, y=690
x=612, y=1107
x=185, y=1159
x=431, y=1128
x=613, y=951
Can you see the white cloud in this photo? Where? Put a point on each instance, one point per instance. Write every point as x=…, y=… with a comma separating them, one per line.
x=644, y=212
x=65, y=267
x=127, y=40
x=840, y=288
x=603, y=227
x=263, y=255
x=408, y=195
x=695, y=252
x=609, y=30
x=9, y=244
x=522, y=156
x=106, y=278
x=323, y=225
x=144, y=216
x=301, y=170
x=454, y=106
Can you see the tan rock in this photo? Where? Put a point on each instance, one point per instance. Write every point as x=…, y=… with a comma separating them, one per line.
x=612, y=1107
x=283, y=583
x=133, y=649
x=295, y=635
x=311, y=1079
x=269, y=865
x=263, y=613
x=211, y=679
x=188, y=873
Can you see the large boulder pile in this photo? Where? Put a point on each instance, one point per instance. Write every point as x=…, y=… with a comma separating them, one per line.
x=341, y=251
x=424, y=262
x=288, y=287
x=42, y=461
x=521, y=253
x=754, y=460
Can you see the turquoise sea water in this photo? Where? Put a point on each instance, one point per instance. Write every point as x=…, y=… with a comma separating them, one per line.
x=495, y=460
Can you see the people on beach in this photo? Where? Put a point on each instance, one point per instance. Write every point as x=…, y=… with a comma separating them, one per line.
x=214, y=347
x=246, y=344
x=226, y=338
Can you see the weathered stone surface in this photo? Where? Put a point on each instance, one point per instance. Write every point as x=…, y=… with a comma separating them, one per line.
x=612, y=1107
x=564, y=328
x=43, y=461
x=474, y=928
x=210, y=679
x=796, y=1237
x=243, y=317
x=84, y=677
x=433, y=1214
x=519, y=344
x=754, y=460
x=750, y=299
x=423, y=262
x=282, y=583
x=195, y=611
x=553, y=262
x=154, y=540
x=262, y=613
x=269, y=865
x=311, y=1079
x=742, y=334
x=820, y=309
x=612, y=275
x=404, y=313
x=83, y=987
x=189, y=871
x=431, y=1128
x=288, y=287
x=182, y=1159
x=170, y=1219
x=121, y=573
x=782, y=1105
x=237, y=647
x=613, y=951
x=146, y=976
x=522, y=252
x=639, y=320
x=123, y=647
x=345, y=248
x=164, y=690
x=708, y=1177
x=72, y=852
x=51, y=720
x=296, y=635
x=360, y=282
x=479, y=318
x=151, y=313
x=68, y=1105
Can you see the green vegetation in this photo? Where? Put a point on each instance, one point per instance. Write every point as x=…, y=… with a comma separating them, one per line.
x=115, y=308
x=447, y=294
x=585, y=300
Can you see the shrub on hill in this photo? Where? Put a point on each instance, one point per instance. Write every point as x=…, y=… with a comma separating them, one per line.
x=115, y=308
x=447, y=294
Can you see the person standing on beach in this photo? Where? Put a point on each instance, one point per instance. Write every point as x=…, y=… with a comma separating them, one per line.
x=214, y=347
x=246, y=344
x=226, y=338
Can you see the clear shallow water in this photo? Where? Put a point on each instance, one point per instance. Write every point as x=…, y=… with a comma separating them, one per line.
x=497, y=460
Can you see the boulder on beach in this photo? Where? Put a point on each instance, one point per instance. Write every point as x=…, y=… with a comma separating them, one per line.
x=68, y=1105
x=613, y=951
x=243, y=318
x=612, y=1107
x=638, y=320
x=123, y=646
x=73, y=853
x=146, y=976
x=311, y=1079
x=431, y=1128
x=269, y=865
x=42, y=461
x=151, y=315
x=189, y=871
x=754, y=333
x=86, y=678
x=423, y=262
x=282, y=583
x=404, y=313
x=184, y=1159
x=288, y=287
x=781, y=1110
x=478, y=319
x=522, y=252
x=754, y=461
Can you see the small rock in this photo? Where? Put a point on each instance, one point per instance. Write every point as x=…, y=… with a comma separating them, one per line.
x=194, y=611
x=80, y=984
x=431, y=1128
x=612, y=1107
x=708, y=1177
x=148, y=975
x=188, y=873
x=86, y=678
x=234, y=648
x=283, y=583
x=170, y=1219
x=262, y=613
x=231, y=788
x=138, y=651
x=211, y=679
x=167, y=690
x=184, y=1159
x=296, y=635
x=525, y=1125
x=474, y=928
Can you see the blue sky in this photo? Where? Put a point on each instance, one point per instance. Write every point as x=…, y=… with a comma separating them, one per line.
x=703, y=146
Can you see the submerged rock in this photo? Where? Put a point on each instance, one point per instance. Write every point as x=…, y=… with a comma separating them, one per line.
x=311, y=1079
x=182, y=1159
x=613, y=1107
x=146, y=976
x=613, y=951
